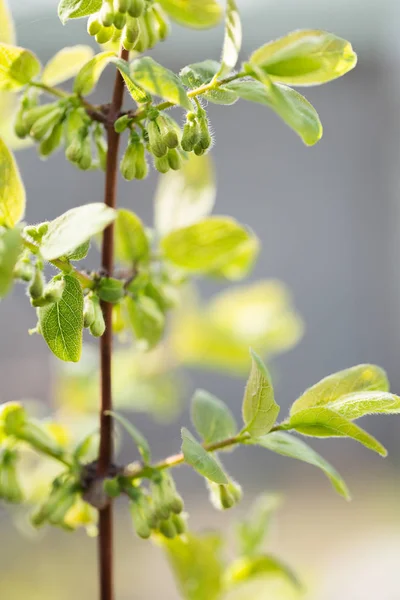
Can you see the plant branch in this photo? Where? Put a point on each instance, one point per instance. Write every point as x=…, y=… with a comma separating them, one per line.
x=105, y=541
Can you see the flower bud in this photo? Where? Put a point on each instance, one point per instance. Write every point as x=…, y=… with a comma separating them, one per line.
x=179, y=524
x=53, y=141
x=168, y=529
x=199, y=150
x=104, y=35
x=151, y=27
x=23, y=269
x=106, y=13
x=139, y=512
x=98, y=327
x=85, y=161
x=12, y=417
x=10, y=488
x=54, y=290
x=119, y=20
x=131, y=31
x=101, y=147
x=45, y=124
x=142, y=43
x=122, y=123
x=174, y=159
x=89, y=314
x=205, y=136
x=35, y=290
x=226, y=498
x=20, y=127
x=161, y=164
x=75, y=121
x=162, y=21
x=112, y=487
x=35, y=113
x=168, y=131
x=158, y=146
x=110, y=289
x=121, y=5
x=142, y=167
x=94, y=25
x=135, y=7
x=191, y=133
x=128, y=161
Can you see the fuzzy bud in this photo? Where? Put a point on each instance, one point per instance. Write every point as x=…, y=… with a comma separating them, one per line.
x=135, y=7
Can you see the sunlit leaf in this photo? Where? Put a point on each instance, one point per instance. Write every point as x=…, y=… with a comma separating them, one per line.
x=306, y=57
x=358, y=404
x=254, y=528
x=260, y=410
x=271, y=585
x=158, y=80
x=146, y=318
x=76, y=9
x=198, y=74
x=131, y=243
x=320, y=421
x=288, y=445
x=135, y=434
x=185, y=196
x=194, y=13
x=10, y=249
x=17, y=67
x=7, y=27
x=61, y=323
x=90, y=73
x=247, y=568
x=12, y=191
x=75, y=227
x=211, y=417
x=138, y=94
x=201, y=460
x=66, y=64
x=233, y=39
x=356, y=379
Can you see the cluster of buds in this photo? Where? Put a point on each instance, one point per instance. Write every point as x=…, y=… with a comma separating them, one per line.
x=196, y=135
x=93, y=318
x=62, y=122
x=138, y=24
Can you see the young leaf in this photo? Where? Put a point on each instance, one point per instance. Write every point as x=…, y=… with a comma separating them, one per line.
x=288, y=104
x=247, y=568
x=199, y=579
x=7, y=28
x=12, y=191
x=10, y=249
x=288, y=445
x=66, y=64
x=158, y=80
x=252, y=531
x=201, y=460
x=323, y=422
x=80, y=252
x=75, y=227
x=184, y=197
x=211, y=245
x=136, y=435
x=356, y=379
x=131, y=241
x=306, y=57
x=260, y=410
x=138, y=94
x=212, y=418
x=76, y=9
x=146, y=318
x=358, y=404
x=198, y=14
x=90, y=73
x=233, y=39
x=61, y=323
x=17, y=67
x=198, y=74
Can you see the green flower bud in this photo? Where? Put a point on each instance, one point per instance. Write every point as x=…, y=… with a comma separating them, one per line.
x=142, y=43
x=142, y=167
x=20, y=128
x=122, y=123
x=56, y=517
x=23, y=269
x=205, y=136
x=38, y=437
x=199, y=150
x=174, y=159
x=135, y=7
x=75, y=121
x=106, y=13
x=179, y=524
x=101, y=147
x=85, y=161
x=110, y=289
x=158, y=146
x=191, y=133
x=54, y=290
x=98, y=327
x=168, y=131
x=53, y=141
x=89, y=313
x=112, y=487
x=161, y=164
x=139, y=512
x=45, y=124
x=119, y=20
x=168, y=529
x=61, y=499
x=35, y=290
x=37, y=112
x=10, y=488
x=42, y=228
x=12, y=417
x=226, y=498
x=128, y=161
x=94, y=25
x=74, y=150
x=121, y=5
x=162, y=21
x=151, y=25
x=131, y=30
x=104, y=35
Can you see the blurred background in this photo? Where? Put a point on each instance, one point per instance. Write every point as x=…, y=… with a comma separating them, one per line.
x=329, y=222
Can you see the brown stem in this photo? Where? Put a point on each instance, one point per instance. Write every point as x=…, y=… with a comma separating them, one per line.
x=105, y=539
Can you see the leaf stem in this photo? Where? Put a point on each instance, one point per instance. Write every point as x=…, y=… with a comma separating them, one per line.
x=105, y=539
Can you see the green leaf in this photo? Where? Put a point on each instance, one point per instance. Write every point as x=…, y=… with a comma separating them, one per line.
x=198, y=14
x=252, y=531
x=215, y=244
x=66, y=64
x=360, y=378
x=306, y=57
x=90, y=73
x=212, y=418
x=136, y=435
x=132, y=244
x=233, y=39
x=138, y=94
x=7, y=28
x=270, y=585
x=358, y=404
x=184, y=197
x=61, y=323
x=247, y=568
x=288, y=445
x=10, y=249
x=12, y=191
x=324, y=422
x=17, y=67
x=146, y=318
x=288, y=104
x=201, y=460
x=202, y=73
x=199, y=579
x=260, y=410
x=76, y=9
x=110, y=289
x=158, y=80
x=75, y=227
x=80, y=252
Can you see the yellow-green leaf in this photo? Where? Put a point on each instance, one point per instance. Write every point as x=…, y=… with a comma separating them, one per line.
x=356, y=379
x=10, y=249
x=288, y=445
x=233, y=39
x=320, y=421
x=211, y=417
x=146, y=318
x=201, y=460
x=198, y=14
x=76, y=9
x=61, y=323
x=247, y=568
x=158, y=80
x=17, y=67
x=12, y=191
x=358, y=404
x=7, y=28
x=260, y=410
x=66, y=64
x=306, y=57
x=90, y=73
x=185, y=196
x=131, y=242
